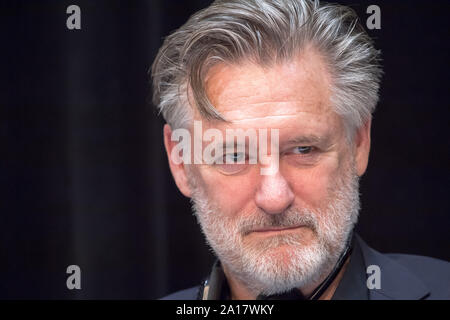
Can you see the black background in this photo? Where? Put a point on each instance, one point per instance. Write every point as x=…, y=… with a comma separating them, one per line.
x=84, y=178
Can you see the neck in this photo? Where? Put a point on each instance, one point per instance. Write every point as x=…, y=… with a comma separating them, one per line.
x=239, y=291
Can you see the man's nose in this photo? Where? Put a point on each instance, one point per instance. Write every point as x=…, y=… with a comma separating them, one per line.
x=274, y=194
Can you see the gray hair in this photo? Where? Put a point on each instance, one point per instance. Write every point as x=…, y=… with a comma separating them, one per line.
x=267, y=32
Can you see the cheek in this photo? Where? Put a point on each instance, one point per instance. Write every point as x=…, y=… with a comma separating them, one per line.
x=311, y=186
x=231, y=194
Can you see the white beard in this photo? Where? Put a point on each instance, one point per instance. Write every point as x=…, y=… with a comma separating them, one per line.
x=263, y=267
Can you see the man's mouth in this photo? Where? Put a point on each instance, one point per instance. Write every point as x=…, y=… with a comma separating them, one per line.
x=269, y=230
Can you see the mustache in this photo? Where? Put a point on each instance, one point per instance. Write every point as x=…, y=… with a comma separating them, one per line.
x=288, y=219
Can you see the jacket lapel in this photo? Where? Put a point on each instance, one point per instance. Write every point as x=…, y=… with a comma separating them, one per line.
x=397, y=282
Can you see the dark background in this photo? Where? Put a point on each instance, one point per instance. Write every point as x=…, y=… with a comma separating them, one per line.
x=84, y=178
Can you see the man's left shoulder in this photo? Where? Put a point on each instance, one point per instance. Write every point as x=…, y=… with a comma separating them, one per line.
x=406, y=276
x=434, y=273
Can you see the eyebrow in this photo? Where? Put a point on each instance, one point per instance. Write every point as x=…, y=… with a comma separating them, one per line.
x=309, y=139
x=299, y=140
x=230, y=145
x=233, y=145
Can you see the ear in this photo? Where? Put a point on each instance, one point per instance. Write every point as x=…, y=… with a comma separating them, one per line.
x=362, y=147
x=178, y=169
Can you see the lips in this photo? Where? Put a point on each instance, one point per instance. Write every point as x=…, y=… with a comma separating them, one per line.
x=275, y=229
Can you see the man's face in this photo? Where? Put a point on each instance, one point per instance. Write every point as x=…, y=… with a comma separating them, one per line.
x=284, y=230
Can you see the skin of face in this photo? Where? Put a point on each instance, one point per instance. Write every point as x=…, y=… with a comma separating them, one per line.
x=293, y=97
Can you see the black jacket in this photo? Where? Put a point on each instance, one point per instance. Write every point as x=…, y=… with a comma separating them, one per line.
x=406, y=277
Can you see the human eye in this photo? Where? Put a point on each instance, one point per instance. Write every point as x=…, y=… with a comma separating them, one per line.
x=232, y=163
x=234, y=158
x=303, y=155
x=302, y=150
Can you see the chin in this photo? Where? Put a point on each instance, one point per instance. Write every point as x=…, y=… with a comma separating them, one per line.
x=283, y=264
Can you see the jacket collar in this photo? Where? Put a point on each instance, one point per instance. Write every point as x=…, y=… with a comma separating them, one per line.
x=397, y=281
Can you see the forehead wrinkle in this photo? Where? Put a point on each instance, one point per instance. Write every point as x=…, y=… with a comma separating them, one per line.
x=275, y=107
x=269, y=117
x=247, y=94
x=297, y=115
